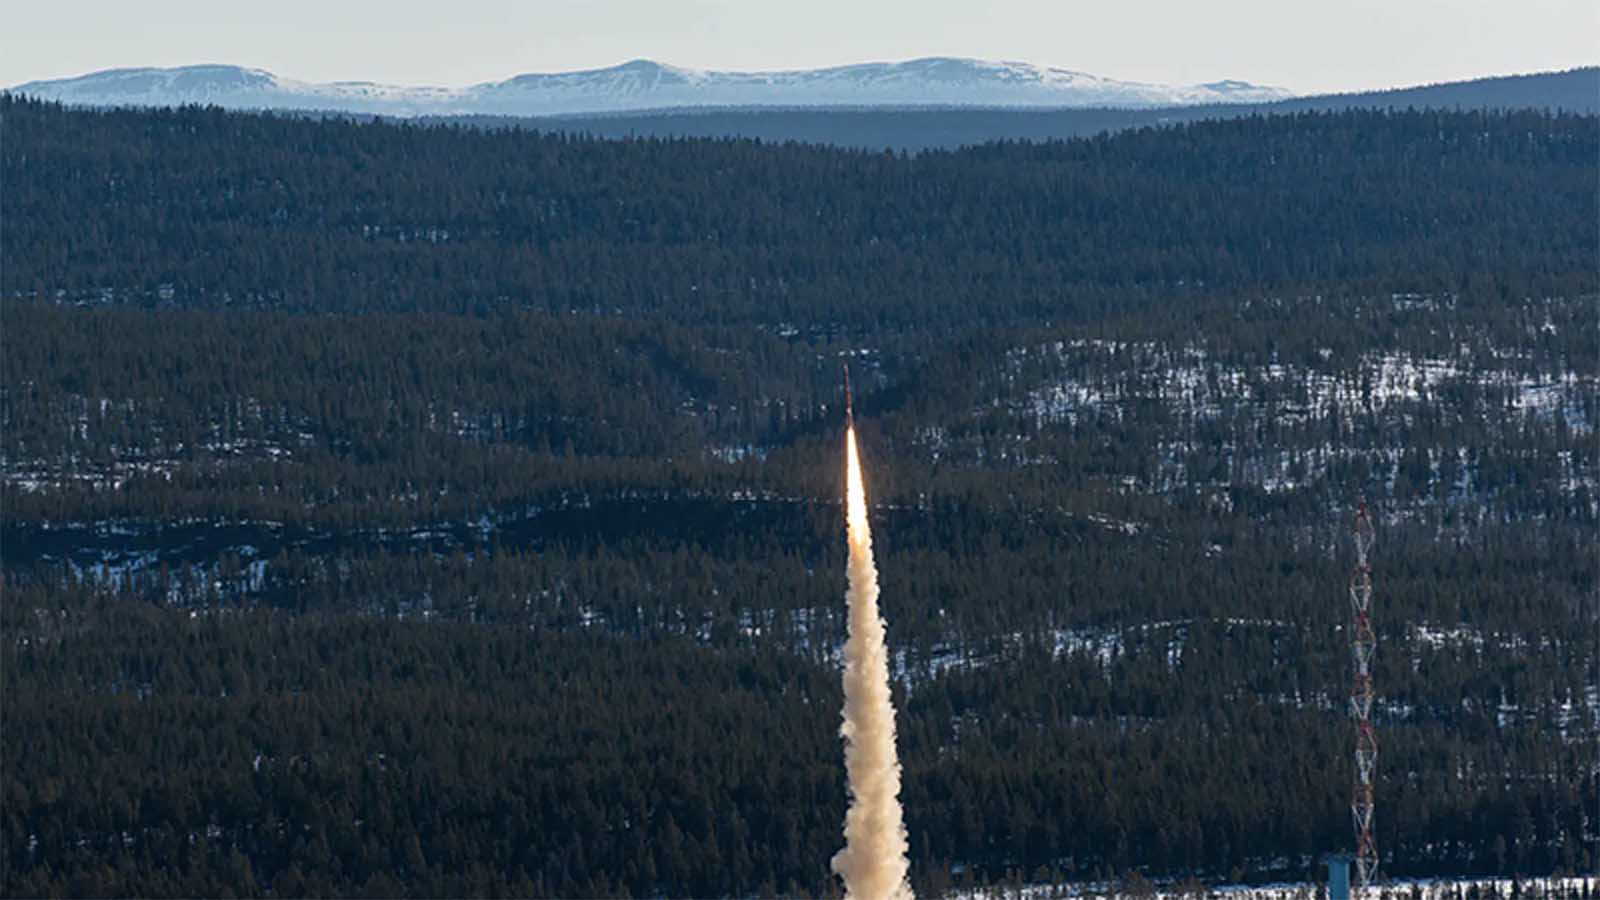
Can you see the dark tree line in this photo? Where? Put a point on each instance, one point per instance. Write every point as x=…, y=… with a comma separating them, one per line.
x=239, y=751
x=207, y=208
x=403, y=419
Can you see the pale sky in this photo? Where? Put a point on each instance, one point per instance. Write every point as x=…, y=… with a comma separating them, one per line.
x=1307, y=47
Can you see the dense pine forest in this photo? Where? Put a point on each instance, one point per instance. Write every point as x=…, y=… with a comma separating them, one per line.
x=435, y=511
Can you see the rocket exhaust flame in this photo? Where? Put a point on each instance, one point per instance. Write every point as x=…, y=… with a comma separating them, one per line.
x=849, y=403
x=873, y=862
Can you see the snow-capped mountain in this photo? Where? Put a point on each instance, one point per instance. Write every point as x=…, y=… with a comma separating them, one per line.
x=645, y=85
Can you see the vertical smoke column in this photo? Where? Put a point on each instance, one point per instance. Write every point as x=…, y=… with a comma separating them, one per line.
x=873, y=861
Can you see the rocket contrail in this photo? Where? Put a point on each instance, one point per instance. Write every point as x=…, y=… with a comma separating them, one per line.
x=873, y=862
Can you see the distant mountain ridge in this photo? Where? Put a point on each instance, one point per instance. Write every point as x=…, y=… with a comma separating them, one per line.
x=1574, y=91
x=645, y=85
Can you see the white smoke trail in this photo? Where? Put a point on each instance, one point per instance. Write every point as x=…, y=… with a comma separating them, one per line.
x=873, y=862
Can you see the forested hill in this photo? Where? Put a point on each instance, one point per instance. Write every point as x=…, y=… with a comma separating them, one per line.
x=396, y=510
x=205, y=208
x=1573, y=90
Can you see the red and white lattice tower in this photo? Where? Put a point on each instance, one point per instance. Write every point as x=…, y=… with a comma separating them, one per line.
x=1363, y=644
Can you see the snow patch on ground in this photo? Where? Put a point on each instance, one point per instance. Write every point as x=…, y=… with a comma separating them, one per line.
x=1429, y=888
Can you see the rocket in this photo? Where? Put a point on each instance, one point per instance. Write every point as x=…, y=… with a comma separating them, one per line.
x=849, y=413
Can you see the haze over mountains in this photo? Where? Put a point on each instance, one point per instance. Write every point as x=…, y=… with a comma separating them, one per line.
x=925, y=128
x=643, y=85
x=910, y=106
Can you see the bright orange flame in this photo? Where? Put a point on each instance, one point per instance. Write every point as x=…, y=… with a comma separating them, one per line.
x=855, y=492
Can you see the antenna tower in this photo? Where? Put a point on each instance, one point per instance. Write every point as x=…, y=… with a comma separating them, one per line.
x=1363, y=644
